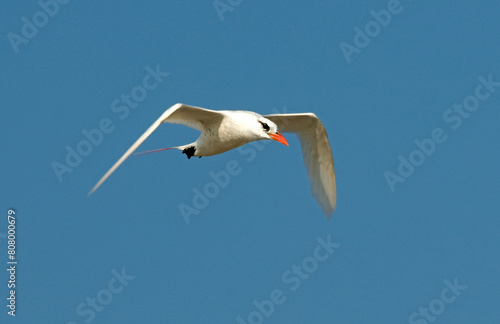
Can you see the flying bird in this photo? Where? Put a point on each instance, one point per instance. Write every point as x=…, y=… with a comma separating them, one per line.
x=225, y=130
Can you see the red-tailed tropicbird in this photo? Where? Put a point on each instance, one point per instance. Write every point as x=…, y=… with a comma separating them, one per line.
x=225, y=130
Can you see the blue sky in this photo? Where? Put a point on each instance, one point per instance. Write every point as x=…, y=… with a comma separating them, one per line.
x=412, y=113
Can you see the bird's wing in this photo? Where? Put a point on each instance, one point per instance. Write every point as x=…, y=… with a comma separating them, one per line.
x=316, y=152
x=190, y=116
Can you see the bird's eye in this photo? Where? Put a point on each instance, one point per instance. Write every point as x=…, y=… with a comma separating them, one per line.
x=266, y=127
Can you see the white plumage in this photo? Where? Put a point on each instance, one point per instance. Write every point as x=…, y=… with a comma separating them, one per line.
x=224, y=130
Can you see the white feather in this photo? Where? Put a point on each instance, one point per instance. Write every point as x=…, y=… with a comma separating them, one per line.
x=316, y=152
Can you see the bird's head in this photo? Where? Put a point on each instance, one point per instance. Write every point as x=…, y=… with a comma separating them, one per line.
x=269, y=130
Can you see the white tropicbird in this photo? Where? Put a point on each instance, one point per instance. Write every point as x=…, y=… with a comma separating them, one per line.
x=225, y=130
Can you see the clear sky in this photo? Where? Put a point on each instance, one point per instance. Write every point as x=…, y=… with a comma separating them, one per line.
x=408, y=91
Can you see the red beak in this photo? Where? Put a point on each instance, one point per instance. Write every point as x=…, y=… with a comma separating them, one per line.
x=279, y=138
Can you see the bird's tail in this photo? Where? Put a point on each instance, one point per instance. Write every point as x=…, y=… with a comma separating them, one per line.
x=137, y=154
x=180, y=148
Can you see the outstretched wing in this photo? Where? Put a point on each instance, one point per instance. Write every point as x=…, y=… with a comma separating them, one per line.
x=316, y=152
x=194, y=117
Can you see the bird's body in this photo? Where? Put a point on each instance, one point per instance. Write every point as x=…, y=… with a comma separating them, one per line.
x=220, y=137
x=225, y=130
